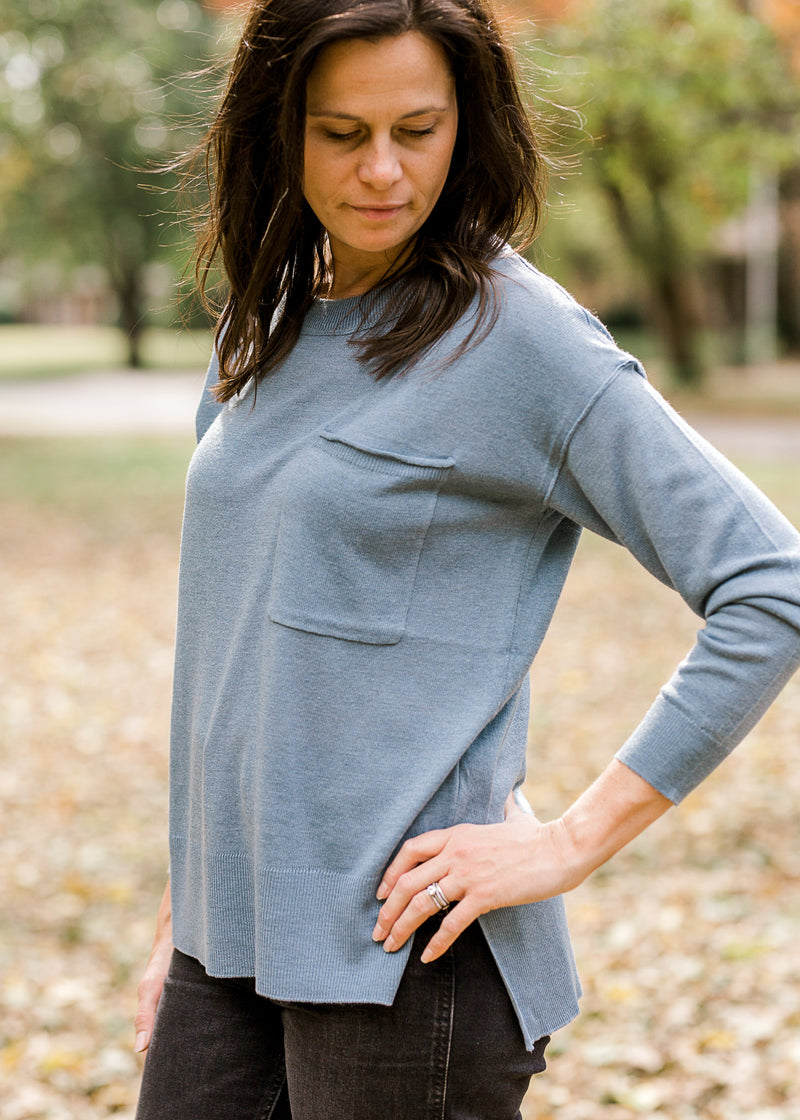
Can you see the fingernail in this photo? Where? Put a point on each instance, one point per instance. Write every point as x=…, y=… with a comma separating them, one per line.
x=378, y=934
x=427, y=955
x=389, y=945
x=141, y=1042
x=382, y=892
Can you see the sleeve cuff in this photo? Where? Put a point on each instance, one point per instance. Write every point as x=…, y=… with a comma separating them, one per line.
x=671, y=752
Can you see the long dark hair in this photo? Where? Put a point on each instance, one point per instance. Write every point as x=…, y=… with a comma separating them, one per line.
x=271, y=244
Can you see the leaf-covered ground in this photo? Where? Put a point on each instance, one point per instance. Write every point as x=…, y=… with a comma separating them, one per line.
x=687, y=942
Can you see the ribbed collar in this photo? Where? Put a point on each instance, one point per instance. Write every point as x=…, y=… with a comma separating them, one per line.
x=343, y=316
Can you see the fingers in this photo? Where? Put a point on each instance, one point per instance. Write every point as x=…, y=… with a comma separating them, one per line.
x=421, y=861
x=149, y=994
x=479, y=868
x=453, y=924
x=418, y=910
x=150, y=989
x=408, y=906
x=412, y=853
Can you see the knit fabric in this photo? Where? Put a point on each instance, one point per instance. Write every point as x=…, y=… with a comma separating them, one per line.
x=368, y=570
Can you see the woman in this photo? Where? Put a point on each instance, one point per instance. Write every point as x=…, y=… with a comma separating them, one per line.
x=408, y=427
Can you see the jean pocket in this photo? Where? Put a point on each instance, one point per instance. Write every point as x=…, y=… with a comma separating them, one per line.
x=352, y=528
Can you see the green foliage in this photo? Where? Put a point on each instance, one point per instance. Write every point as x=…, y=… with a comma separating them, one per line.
x=682, y=99
x=94, y=94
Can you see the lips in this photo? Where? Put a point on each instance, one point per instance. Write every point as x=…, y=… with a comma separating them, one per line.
x=382, y=212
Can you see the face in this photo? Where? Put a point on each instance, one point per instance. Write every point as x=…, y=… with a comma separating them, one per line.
x=381, y=121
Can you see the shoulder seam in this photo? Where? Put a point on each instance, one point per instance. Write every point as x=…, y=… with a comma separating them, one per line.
x=627, y=363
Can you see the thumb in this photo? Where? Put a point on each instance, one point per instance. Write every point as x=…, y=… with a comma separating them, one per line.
x=517, y=804
x=149, y=995
x=149, y=992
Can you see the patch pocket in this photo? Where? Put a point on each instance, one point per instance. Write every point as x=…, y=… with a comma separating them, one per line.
x=352, y=527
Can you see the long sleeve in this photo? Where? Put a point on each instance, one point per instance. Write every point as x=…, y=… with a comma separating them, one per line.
x=633, y=471
x=209, y=406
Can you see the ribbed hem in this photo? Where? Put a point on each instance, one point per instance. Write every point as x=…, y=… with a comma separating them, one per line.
x=531, y=945
x=671, y=752
x=305, y=934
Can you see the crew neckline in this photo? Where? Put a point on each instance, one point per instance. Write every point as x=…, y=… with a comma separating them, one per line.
x=343, y=316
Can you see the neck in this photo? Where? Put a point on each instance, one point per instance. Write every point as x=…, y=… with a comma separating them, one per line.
x=344, y=282
x=354, y=274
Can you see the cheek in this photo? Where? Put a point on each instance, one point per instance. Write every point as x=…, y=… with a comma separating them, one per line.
x=439, y=170
x=316, y=175
x=322, y=175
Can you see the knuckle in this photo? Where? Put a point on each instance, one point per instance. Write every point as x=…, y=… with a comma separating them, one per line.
x=149, y=990
x=420, y=903
x=482, y=899
x=449, y=928
x=404, y=883
x=410, y=849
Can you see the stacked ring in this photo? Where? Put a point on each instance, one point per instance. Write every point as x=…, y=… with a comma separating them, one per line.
x=438, y=896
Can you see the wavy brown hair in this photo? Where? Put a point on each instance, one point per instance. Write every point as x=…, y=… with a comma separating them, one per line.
x=272, y=245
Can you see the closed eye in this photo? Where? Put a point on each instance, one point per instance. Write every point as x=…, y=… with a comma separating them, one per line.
x=341, y=135
x=353, y=134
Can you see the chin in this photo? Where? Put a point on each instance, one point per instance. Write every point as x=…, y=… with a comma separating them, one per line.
x=384, y=240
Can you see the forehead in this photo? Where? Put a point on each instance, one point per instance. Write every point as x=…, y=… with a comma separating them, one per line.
x=363, y=76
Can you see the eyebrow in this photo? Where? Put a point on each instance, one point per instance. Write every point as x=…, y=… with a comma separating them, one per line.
x=351, y=117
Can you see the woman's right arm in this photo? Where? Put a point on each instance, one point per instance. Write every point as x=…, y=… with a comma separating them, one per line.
x=153, y=980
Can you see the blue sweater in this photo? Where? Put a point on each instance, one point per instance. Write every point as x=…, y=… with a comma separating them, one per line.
x=368, y=570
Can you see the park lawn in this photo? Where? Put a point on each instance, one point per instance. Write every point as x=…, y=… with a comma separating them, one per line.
x=32, y=351
x=686, y=942
x=110, y=485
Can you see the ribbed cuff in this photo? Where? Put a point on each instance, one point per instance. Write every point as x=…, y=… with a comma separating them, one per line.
x=671, y=752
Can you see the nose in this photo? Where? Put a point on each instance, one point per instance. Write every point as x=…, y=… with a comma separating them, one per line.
x=380, y=166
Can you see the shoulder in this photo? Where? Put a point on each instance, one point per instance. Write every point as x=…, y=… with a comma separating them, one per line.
x=536, y=306
x=545, y=340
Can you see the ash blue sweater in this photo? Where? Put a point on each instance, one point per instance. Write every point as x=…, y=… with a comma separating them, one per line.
x=368, y=570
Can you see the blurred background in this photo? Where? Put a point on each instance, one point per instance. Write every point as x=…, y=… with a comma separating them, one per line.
x=674, y=127
x=674, y=133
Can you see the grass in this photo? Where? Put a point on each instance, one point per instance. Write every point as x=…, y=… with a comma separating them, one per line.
x=32, y=351
x=113, y=486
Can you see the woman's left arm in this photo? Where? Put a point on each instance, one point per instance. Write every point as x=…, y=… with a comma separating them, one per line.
x=520, y=860
x=632, y=471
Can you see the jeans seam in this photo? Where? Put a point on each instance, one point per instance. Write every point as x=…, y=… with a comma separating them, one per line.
x=272, y=1093
x=442, y=1040
x=451, y=1021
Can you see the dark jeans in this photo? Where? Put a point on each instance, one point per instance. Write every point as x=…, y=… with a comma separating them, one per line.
x=449, y=1048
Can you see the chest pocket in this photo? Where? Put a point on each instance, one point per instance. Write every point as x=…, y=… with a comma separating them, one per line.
x=352, y=528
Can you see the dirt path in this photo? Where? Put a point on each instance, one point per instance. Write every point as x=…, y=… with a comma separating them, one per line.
x=100, y=404
x=103, y=403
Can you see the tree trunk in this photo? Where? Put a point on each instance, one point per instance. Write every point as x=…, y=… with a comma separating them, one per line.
x=129, y=290
x=658, y=251
x=679, y=327
x=789, y=261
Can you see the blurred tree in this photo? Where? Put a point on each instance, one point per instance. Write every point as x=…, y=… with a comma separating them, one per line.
x=682, y=99
x=89, y=105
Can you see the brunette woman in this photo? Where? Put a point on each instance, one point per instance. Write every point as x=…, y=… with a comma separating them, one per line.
x=405, y=428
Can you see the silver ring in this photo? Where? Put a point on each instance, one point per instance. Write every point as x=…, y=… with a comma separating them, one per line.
x=438, y=896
